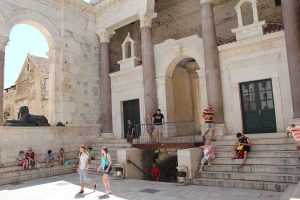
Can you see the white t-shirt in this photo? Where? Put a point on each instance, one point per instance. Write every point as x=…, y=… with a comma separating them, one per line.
x=83, y=158
x=206, y=156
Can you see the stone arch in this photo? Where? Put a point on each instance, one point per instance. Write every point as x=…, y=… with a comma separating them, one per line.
x=3, y=27
x=238, y=10
x=52, y=35
x=40, y=22
x=169, y=63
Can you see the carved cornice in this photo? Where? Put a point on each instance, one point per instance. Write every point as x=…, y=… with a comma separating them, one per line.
x=3, y=42
x=206, y=1
x=105, y=35
x=146, y=18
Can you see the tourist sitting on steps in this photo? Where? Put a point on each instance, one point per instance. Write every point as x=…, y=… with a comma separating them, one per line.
x=61, y=156
x=241, y=148
x=49, y=159
x=91, y=153
x=30, y=156
x=295, y=130
x=208, y=154
x=22, y=161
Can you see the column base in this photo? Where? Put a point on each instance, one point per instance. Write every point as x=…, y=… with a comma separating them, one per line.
x=220, y=130
x=107, y=136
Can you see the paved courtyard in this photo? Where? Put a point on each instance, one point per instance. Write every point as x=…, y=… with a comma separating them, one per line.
x=66, y=188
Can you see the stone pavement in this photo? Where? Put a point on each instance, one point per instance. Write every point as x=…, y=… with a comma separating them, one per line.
x=66, y=188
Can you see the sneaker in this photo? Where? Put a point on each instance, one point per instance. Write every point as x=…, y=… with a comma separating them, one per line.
x=95, y=187
x=109, y=191
x=106, y=192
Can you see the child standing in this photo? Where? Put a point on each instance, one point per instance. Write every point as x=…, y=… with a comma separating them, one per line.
x=61, y=156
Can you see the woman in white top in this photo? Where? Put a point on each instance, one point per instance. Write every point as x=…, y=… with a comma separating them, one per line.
x=83, y=167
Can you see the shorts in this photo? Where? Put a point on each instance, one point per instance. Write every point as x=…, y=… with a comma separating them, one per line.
x=245, y=148
x=21, y=162
x=83, y=177
x=210, y=126
x=158, y=129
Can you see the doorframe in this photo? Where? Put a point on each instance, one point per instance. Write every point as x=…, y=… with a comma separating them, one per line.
x=276, y=98
x=242, y=106
x=122, y=115
x=142, y=113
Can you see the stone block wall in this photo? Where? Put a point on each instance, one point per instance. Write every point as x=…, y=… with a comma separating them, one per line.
x=41, y=139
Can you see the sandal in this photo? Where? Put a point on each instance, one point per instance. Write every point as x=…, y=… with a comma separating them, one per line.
x=81, y=191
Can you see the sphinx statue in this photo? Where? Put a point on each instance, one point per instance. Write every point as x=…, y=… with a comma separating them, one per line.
x=27, y=119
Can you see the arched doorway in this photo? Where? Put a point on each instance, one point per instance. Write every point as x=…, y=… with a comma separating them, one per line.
x=26, y=72
x=186, y=97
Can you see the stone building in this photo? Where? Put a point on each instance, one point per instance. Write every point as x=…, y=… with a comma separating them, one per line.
x=171, y=66
x=31, y=89
x=117, y=59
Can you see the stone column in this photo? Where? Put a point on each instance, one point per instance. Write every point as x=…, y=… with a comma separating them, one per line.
x=291, y=21
x=150, y=93
x=105, y=84
x=3, y=42
x=212, y=65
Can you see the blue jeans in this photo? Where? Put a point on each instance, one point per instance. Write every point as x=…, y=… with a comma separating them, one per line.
x=84, y=177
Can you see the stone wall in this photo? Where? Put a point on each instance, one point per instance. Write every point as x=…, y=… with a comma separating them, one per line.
x=69, y=27
x=178, y=19
x=41, y=139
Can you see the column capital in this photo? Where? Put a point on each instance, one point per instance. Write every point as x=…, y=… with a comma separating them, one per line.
x=146, y=18
x=3, y=42
x=206, y=1
x=105, y=35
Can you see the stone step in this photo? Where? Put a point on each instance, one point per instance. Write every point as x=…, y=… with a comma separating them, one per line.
x=264, y=154
x=283, y=169
x=264, y=141
x=254, y=136
x=257, y=185
x=18, y=168
x=282, y=178
x=34, y=171
x=112, y=147
x=259, y=147
x=37, y=175
x=110, y=141
x=258, y=161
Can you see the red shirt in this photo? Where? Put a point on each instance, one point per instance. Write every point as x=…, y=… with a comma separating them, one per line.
x=30, y=155
x=155, y=172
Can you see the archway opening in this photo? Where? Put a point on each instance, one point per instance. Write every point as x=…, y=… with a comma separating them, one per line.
x=128, y=50
x=186, y=97
x=26, y=72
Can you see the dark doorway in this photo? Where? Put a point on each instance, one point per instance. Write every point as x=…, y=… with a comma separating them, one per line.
x=258, y=107
x=131, y=111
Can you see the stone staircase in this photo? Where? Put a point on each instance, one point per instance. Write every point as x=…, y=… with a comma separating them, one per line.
x=112, y=145
x=14, y=174
x=272, y=164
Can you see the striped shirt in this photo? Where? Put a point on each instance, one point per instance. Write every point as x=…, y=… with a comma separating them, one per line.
x=208, y=115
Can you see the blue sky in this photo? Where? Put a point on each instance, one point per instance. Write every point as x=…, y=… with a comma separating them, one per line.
x=23, y=39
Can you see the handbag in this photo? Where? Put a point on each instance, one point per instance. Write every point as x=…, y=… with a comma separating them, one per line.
x=240, y=147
